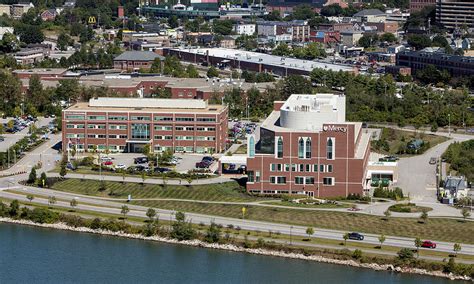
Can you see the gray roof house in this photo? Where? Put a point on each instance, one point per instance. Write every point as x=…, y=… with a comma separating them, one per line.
x=370, y=16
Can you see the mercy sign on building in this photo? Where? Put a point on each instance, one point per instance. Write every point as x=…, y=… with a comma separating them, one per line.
x=307, y=147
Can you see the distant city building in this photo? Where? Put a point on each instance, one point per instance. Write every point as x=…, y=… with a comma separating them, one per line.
x=370, y=15
x=5, y=9
x=287, y=6
x=326, y=37
x=298, y=30
x=135, y=60
x=395, y=70
x=253, y=61
x=244, y=29
x=17, y=10
x=397, y=15
x=351, y=37
x=454, y=64
x=417, y=5
x=30, y=55
x=306, y=146
x=455, y=13
x=129, y=124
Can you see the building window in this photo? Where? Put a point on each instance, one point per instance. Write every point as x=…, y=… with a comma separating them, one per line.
x=206, y=119
x=185, y=119
x=257, y=176
x=315, y=168
x=308, y=168
x=251, y=147
x=96, y=117
x=309, y=180
x=250, y=176
x=163, y=118
x=308, y=148
x=140, y=118
x=321, y=168
x=280, y=147
x=299, y=180
x=330, y=149
x=328, y=181
x=278, y=180
x=301, y=148
x=301, y=167
x=329, y=168
x=75, y=117
x=140, y=131
x=117, y=117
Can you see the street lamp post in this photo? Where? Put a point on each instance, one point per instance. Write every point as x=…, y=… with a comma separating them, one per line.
x=449, y=124
x=291, y=229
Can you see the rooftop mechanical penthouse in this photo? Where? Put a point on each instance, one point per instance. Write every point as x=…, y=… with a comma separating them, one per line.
x=128, y=124
x=307, y=147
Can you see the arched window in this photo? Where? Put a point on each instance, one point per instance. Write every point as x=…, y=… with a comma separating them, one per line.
x=308, y=148
x=251, y=147
x=280, y=147
x=301, y=148
x=330, y=149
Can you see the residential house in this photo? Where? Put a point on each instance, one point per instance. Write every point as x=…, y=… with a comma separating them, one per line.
x=17, y=10
x=5, y=9
x=244, y=29
x=351, y=37
x=227, y=42
x=49, y=15
x=298, y=30
x=4, y=30
x=325, y=37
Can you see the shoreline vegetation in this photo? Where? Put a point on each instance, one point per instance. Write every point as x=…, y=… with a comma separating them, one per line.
x=182, y=232
x=236, y=248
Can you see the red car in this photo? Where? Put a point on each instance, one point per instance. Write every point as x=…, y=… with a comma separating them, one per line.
x=428, y=244
x=107, y=163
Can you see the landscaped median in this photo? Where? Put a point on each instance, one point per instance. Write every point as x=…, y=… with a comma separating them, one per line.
x=442, y=229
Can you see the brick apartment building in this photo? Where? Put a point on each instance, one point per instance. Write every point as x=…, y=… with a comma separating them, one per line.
x=128, y=124
x=307, y=147
x=417, y=5
x=135, y=60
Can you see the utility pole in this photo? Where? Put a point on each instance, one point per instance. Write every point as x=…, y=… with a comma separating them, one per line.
x=291, y=239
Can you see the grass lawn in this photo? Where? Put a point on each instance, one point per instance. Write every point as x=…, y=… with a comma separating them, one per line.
x=241, y=150
x=397, y=138
x=408, y=208
x=436, y=229
x=292, y=204
x=229, y=191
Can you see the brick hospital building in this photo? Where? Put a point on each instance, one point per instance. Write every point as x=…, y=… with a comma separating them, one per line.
x=128, y=124
x=307, y=147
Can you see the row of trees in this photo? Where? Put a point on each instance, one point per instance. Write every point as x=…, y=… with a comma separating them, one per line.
x=311, y=51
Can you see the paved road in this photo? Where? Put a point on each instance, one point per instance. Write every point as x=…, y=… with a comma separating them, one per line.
x=97, y=205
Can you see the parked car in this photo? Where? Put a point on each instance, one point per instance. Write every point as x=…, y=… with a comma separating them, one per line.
x=433, y=160
x=2, y=138
x=120, y=167
x=141, y=168
x=356, y=236
x=208, y=158
x=389, y=159
x=140, y=160
x=107, y=163
x=428, y=244
x=203, y=164
x=161, y=170
x=70, y=166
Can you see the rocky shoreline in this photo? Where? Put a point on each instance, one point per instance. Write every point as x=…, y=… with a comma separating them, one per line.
x=234, y=248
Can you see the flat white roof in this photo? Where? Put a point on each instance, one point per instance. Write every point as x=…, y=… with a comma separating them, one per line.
x=148, y=103
x=255, y=57
x=310, y=103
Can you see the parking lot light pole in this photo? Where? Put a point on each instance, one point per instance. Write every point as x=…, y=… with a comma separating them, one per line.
x=449, y=124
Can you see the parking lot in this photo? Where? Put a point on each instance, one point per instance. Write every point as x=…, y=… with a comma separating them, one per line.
x=11, y=138
x=185, y=162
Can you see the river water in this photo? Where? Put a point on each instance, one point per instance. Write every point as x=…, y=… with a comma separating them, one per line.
x=39, y=255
